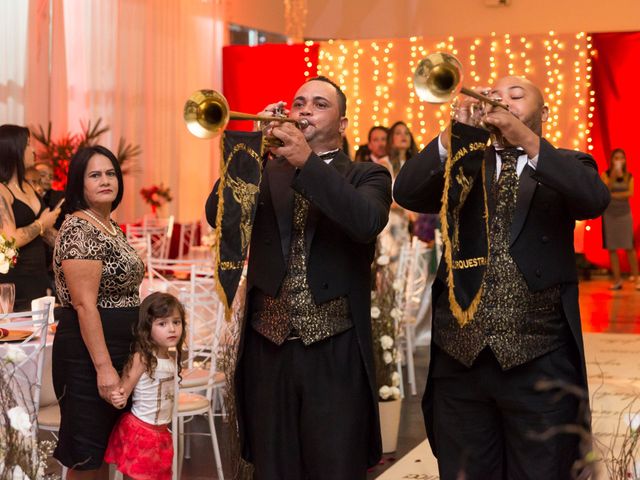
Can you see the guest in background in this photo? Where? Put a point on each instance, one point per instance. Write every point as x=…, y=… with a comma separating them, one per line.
x=617, y=221
x=50, y=196
x=98, y=275
x=376, y=148
x=400, y=146
x=23, y=216
x=32, y=176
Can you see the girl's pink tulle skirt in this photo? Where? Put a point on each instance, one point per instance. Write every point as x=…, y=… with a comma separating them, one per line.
x=140, y=450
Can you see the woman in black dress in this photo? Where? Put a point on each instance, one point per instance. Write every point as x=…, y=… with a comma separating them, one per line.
x=23, y=217
x=98, y=276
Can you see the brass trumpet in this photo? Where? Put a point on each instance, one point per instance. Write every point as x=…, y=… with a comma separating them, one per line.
x=438, y=78
x=206, y=113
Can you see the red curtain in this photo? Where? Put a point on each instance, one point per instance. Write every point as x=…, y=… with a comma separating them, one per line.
x=254, y=77
x=616, y=69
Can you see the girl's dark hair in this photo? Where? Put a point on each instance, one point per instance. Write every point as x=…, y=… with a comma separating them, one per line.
x=13, y=141
x=156, y=305
x=393, y=153
x=74, y=194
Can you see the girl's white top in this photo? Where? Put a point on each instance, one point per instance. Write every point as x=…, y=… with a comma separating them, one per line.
x=153, y=398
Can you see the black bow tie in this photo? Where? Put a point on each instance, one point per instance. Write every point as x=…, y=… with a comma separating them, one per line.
x=328, y=155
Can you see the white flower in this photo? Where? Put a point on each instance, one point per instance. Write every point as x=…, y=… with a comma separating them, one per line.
x=19, y=420
x=15, y=354
x=10, y=253
x=395, y=393
x=387, y=357
x=395, y=313
x=633, y=420
x=18, y=474
x=375, y=312
x=2, y=257
x=4, y=266
x=386, y=342
x=395, y=379
x=384, y=392
x=383, y=260
x=397, y=285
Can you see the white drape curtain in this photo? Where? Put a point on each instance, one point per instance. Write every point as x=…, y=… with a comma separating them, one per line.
x=132, y=63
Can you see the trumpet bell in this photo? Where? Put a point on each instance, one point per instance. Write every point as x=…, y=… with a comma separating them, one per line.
x=438, y=78
x=206, y=113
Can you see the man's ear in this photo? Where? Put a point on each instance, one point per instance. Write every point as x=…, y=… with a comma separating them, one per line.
x=344, y=123
x=545, y=113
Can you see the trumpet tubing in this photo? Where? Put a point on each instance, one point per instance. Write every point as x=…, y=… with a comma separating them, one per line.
x=206, y=113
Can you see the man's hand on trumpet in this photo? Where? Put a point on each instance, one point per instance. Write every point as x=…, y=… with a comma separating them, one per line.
x=295, y=147
x=513, y=130
x=465, y=110
x=278, y=109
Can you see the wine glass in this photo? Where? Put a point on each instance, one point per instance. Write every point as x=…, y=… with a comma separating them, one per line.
x=7, y=297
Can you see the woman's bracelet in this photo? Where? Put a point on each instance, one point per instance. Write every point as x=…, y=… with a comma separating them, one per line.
x=41, y=226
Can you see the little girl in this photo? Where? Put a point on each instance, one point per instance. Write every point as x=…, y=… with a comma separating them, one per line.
x=140, y=444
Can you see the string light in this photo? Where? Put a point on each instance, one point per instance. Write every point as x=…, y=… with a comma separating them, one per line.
x=377, y=76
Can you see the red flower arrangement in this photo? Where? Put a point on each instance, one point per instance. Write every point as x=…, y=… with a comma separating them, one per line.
x=59, y=152
x=156, y=196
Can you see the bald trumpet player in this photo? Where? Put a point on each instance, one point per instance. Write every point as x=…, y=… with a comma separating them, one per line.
x=505, y=299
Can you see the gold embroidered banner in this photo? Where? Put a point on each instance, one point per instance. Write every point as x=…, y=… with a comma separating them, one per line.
x=465, y=220
x=241, y=173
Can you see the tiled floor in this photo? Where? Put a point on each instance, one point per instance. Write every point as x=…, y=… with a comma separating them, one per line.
x=602, y=311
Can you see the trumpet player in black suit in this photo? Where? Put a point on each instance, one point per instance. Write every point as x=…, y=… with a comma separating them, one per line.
x=305, y=385
x=506, y=297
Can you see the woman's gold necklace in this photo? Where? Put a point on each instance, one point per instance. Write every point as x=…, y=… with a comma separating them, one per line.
x=113, y=231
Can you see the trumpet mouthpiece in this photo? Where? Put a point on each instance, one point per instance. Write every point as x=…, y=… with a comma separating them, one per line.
x=303, y=123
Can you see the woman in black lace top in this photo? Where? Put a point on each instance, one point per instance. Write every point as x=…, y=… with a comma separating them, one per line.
x=98, y=276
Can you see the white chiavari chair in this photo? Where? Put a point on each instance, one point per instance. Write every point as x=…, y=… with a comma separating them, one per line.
x=412, y=275
x=188, y=233
x=199, y=390
x=155, y=236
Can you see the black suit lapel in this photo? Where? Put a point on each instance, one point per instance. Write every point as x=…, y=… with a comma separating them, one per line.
x=526, y=188
x=280, y=175
x=341, y=163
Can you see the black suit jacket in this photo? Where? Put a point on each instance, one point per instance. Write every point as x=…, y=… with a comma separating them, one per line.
x=349, y=206
x=564, y=187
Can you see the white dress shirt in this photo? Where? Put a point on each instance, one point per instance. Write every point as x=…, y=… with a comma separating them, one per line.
x=523, y=159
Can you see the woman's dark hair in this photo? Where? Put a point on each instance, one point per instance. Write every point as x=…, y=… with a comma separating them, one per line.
x=393, y=153
x=74, y=194
x=613, y=154
x=13, y=141
x=156, y=305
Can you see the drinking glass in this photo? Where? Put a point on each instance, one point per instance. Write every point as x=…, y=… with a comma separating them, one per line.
x=7, y=297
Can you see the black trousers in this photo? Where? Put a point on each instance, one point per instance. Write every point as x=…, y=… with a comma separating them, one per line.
x=486, y=419
x=307, y=409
